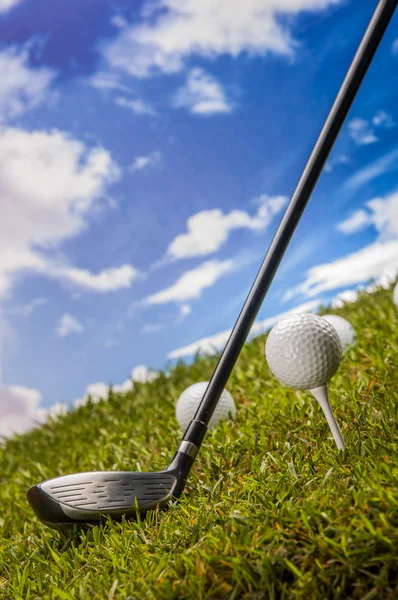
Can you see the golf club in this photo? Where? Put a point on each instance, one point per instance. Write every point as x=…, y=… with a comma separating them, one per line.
x=85, y=498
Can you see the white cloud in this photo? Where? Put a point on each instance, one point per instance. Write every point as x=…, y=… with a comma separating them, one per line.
x=100, y=390
x=22, y=88
x=173, y=31
x=202, y=95
x=106, y=281
x=383, y=119
x=348, y=296
x=27, y=309
x=96, y=391
x=142, y=374
x=361, y=132
x=389, y=276
x=106, y=81
x=371, y=262
x=119, y=22
x=344, y=297
x=384, y=164
x=51, y=183
x=208, y=230
x=213, y=343
x=268, y=207
x=382, y=214
x=69, y=324
x=147, y=162
x=6, y=5
x=6, y=335
x=138, y=106
x=357, y=221
x=341, y=159
x=378, y=260
x=192, y=283
x=151, y=328
x=185, y=310
x=33, y=305
x=59, y=408
x=20, y=410
x=111, y=343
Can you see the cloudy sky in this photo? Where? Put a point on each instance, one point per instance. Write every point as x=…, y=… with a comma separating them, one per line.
x=147, y=152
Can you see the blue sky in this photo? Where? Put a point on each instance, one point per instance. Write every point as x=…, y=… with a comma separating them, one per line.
x=147, y=152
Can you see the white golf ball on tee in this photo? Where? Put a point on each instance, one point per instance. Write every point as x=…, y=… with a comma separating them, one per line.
x=190, y=399
x=304, y=351
x=345, y=330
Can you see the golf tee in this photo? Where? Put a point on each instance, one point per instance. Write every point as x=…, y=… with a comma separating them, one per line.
x=321, y=394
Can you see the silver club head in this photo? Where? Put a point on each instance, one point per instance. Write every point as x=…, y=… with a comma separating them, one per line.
x=88, y=497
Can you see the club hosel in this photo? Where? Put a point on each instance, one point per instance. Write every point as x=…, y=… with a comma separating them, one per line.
x=189, y=446
x=186, y=452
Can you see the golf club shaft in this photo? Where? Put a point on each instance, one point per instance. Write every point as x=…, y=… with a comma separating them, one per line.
x=359, y=66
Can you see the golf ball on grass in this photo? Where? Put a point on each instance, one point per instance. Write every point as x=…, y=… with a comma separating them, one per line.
x=304, y=351
x=190, y=399
x=345, y=330
x=395, y=295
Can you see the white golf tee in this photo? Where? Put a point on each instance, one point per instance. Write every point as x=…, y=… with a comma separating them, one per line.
x=321, y=394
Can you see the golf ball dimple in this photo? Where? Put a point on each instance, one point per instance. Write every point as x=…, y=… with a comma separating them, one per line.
x=189, y=401
x=303, y=351
x=345, y=330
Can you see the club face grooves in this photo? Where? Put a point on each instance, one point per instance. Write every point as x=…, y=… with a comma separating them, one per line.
x=122, y=490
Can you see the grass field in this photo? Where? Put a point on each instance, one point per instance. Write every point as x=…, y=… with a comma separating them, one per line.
x=271, y=509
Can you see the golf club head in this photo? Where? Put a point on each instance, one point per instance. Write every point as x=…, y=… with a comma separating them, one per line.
x=88, y=498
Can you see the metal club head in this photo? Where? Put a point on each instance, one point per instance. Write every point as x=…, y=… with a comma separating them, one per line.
x=88, y=498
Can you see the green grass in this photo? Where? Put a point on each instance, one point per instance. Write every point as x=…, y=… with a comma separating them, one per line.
x=271, y=509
